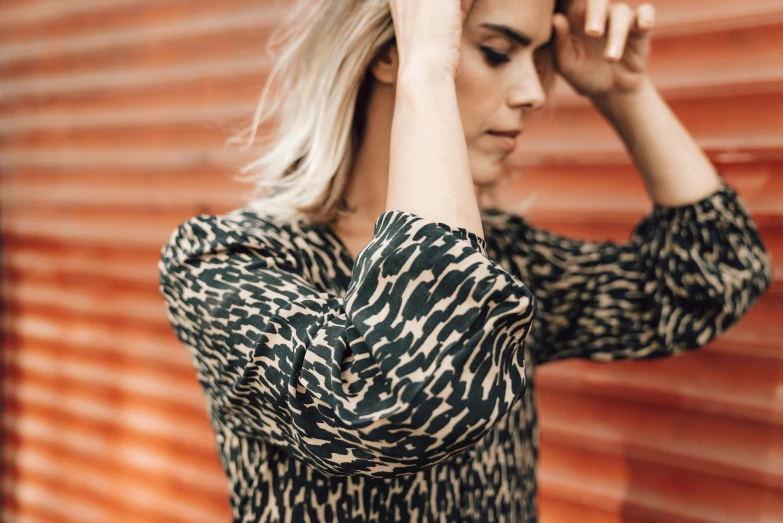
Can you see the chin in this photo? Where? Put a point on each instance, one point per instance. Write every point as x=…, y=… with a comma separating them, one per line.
x=487, y=177
x=486, y=169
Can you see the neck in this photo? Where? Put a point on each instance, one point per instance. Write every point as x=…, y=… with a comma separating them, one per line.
x=369, y=178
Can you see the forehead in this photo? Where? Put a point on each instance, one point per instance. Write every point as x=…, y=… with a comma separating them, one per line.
x=530, y=17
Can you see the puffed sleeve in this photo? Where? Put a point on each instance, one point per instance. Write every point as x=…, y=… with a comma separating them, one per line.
x=418, y=361
x=686, y=274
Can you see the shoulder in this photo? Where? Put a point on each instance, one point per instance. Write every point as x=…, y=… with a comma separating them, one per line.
x=500, y=224
x=239, y=230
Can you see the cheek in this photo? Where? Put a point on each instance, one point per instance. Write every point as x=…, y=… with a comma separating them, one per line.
x=479, y=94
x=477, y=104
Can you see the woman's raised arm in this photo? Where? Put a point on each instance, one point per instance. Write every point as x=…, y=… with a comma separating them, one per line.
x=602, y=49
x=428, y=153
x=686, y=274
x=691, y=268
x=419, y=360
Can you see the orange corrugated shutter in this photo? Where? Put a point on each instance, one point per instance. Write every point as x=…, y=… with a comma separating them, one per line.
x=113, y=118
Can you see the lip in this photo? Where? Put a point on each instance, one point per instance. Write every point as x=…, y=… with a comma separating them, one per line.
x=508, y=142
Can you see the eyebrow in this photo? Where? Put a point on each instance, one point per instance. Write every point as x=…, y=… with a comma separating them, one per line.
x=509, y=33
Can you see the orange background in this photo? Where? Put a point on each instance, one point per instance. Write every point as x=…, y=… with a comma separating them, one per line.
x=113, y=117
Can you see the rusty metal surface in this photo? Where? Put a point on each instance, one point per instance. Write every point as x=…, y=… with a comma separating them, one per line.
x=113, y=117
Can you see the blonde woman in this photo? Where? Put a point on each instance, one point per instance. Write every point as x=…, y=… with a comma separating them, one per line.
x=365, y=335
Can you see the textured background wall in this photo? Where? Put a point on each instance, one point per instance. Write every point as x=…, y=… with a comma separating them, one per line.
x=113, y=116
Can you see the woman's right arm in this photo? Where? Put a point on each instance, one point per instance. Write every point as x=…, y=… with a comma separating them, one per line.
x=419, y=360
x=429, y=172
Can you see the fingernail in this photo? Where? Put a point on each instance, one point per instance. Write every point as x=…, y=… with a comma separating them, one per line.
x=613, y=52
x=593, y=28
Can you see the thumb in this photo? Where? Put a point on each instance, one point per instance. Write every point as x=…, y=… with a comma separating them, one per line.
x=466, y=6
x=564, y=46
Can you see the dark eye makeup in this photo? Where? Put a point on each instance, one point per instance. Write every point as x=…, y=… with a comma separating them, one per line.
x=493, y=57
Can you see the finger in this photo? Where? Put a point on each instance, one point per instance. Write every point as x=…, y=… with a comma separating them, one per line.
x=645, y=17
x=621, y=18
x=466, y=6
x=595, y=19
x=564, y=46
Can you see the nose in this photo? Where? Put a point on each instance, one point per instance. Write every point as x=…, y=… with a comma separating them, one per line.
x=528, y=90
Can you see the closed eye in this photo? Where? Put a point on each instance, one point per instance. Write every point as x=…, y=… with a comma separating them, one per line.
x=494, y=58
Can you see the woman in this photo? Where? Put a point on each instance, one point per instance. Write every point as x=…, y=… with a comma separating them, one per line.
x=366, y=336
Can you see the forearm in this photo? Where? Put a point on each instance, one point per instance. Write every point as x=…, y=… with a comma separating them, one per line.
x=675, y=169
x=429, y=172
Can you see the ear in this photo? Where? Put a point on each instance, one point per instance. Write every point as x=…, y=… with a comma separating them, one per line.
x=386, y=63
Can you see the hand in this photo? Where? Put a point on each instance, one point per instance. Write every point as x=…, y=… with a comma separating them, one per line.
x=430, y=30
x=598, y=60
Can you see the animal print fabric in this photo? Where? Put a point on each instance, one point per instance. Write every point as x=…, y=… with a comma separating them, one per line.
x=399, y=386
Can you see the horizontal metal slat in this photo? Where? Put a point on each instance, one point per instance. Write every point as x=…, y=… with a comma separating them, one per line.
x=120, y=267
x=568, y=190
x=251, y=27
x=728, y=129
x=143, y=305
x=29, y=393
x=210, y=88
x=110, y=375
x=674, y=17
x=172, y=470
x=738, y=449
x=197, y=449
x=53, y=18
x=86, y=83
x=139, y=458
x=557, y=509
x=653, y=491
x=745, y=388
x=38, y=499
x=122, y=498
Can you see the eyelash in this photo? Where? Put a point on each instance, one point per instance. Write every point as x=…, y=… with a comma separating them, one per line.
x=493, y=57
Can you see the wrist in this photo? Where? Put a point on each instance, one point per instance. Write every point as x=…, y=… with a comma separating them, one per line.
x=421, y=72
x=620, y=104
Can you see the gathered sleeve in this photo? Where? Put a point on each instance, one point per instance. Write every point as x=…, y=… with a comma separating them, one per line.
x=419, y=360
x=686, y=274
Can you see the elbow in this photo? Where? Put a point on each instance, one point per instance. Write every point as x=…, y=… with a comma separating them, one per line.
x=432, y=420
x=732, y=290
x=707, y=317
x=421, y=403
x=743, y=289
x=763, y=274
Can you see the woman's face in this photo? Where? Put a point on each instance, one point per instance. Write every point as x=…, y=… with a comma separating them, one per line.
x=498, y=82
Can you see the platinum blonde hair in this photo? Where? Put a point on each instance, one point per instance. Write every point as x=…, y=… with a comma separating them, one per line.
x=317, y=95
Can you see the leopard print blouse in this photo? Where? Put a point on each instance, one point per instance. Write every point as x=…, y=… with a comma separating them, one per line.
x=399, y=386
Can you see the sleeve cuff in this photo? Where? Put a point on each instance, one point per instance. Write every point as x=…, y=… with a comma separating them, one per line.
x=717, y=207
x=722, y=192
x=476, y=241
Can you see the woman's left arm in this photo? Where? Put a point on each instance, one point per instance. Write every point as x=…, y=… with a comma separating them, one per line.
x=686, y=275
x=602, y=51
x=691, y=268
